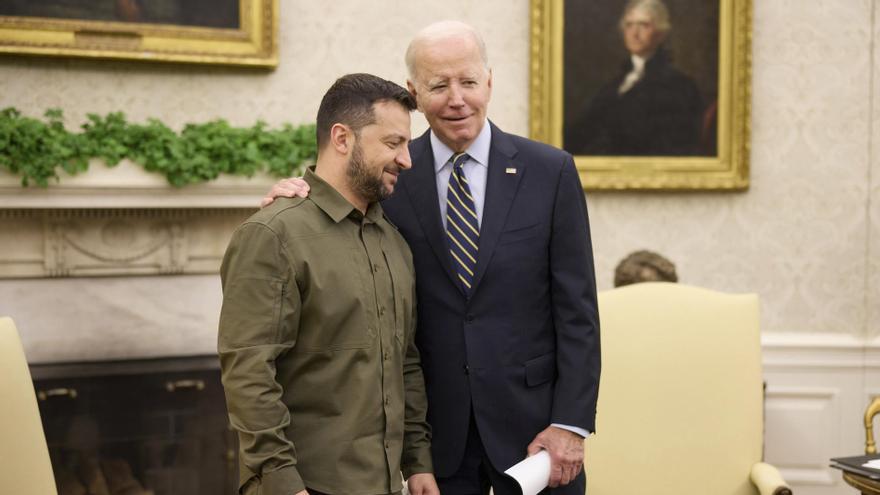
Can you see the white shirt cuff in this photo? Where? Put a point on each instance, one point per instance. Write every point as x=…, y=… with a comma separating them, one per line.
x=574, y=429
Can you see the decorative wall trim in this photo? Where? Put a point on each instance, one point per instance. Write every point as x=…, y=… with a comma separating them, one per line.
x=89, y=242
x=819, y=351
x=802, y=409
x=824, y=478
x=818, y=386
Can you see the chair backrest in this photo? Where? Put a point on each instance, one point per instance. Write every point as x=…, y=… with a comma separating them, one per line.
x=680, y=397
x=25, y=468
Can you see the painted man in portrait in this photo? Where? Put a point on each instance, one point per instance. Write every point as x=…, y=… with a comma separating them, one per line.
x=650, y=107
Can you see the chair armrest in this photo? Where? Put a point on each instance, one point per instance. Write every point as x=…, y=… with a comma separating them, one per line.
x=768, y=480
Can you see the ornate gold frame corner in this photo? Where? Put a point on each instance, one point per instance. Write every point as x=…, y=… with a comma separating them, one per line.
x=729, y=170
x=254, y=44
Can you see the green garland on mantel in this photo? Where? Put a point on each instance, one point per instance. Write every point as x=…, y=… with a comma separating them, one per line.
x=37, y=149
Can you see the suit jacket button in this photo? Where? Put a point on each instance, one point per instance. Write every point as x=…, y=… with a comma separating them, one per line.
x=467, y=371
x=469, y=318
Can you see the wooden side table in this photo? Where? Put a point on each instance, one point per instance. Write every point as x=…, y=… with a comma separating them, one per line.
x=865, y=485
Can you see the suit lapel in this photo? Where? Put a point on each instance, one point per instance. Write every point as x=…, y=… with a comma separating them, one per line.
x=422, y=190
x=501, y=188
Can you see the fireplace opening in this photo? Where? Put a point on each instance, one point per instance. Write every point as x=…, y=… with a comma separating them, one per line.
x=137, y=427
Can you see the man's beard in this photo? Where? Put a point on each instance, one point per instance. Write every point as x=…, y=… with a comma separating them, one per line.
x=368, y=186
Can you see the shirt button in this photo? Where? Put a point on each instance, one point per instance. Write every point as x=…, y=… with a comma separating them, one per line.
x=387, y=400
x=376, y=268
x=381, y=311
x=385, y=355
x=387, y=445
x=467, y=371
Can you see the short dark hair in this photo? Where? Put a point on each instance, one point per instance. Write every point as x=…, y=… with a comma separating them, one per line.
x=644, y=266
x=350, y=101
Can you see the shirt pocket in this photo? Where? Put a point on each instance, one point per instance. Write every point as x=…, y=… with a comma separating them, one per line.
x=333, y=291
x=251, y=312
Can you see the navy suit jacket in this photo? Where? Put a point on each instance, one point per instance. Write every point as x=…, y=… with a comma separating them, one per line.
x=523, y=350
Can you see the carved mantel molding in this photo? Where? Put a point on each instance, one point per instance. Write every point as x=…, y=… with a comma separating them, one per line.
x=120, y=221
x=127, y=185
x=90, y=242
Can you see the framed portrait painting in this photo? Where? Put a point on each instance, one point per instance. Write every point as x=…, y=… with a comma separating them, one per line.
x=228, y=32
x=646, y=94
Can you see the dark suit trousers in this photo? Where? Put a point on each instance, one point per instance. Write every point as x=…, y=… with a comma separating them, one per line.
x=476, y=474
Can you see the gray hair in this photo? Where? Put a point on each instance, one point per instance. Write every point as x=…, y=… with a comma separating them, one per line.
x=657, y=9
x=439, y=31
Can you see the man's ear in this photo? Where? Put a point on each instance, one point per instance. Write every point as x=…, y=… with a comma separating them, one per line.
x=341, y=138
x=411, y=87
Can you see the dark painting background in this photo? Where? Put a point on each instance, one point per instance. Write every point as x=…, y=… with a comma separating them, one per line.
x=593, y=47
x=201, y=13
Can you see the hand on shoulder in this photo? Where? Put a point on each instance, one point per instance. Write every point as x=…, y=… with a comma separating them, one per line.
x=286, y=188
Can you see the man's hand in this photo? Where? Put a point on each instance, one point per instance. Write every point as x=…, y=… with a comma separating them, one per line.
x=422, y=484
x=286, y=188
x=304, y=492
x=566, y=451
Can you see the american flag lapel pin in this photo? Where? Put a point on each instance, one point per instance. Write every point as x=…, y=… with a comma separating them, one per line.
x=510, y=170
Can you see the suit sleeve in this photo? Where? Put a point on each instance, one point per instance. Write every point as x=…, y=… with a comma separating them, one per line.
x=575, y=307
x=258, y=322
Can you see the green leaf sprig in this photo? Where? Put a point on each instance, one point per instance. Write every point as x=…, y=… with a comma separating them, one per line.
x=37, y=149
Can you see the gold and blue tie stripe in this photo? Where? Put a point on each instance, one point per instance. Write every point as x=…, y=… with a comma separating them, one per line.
x=462, y=226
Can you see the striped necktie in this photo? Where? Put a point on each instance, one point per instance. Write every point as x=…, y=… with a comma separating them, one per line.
x=462, y=227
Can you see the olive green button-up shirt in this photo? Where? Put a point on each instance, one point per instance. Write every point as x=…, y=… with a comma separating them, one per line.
x=321, y=373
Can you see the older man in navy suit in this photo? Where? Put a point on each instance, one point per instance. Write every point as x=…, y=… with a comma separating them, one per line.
x=508, y=327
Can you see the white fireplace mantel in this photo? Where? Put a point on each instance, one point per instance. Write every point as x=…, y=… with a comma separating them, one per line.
x=120, y=221
x=127, y=185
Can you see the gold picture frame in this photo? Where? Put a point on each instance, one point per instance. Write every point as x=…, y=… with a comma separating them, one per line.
x=252, y=39
x=726, y=168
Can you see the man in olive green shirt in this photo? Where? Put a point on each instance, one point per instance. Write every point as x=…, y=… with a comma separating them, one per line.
x=322, y=377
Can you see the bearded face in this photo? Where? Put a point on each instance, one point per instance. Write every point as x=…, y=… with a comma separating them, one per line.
x=366, y=179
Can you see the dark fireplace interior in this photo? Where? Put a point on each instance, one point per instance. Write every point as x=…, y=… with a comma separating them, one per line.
x=137, y=427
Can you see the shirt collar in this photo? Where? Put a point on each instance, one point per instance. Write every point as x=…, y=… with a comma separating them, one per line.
x=478, y=150
x=638, y=63
x=331, y=202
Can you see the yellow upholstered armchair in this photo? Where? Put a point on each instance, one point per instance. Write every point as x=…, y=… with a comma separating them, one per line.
x=25, y=468
x=681, y=396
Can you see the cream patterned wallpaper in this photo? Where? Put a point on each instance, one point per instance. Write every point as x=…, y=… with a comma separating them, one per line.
x=805, y=236
x=872, y=300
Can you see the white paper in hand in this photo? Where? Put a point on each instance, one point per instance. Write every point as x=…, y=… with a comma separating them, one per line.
x=532, y=473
